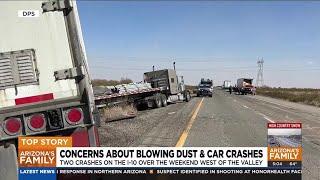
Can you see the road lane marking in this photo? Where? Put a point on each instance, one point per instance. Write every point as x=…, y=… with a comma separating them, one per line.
x=185, y=133
x=245, y=106
x=290, y=110
x=257, y=112
x=266, y=117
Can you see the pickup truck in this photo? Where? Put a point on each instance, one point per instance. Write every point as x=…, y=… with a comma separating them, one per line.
x=205, y=88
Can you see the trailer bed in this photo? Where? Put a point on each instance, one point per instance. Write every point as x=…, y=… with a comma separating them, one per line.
x=126, y=97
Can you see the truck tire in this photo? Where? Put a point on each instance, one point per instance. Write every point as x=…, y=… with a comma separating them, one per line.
x=157, y=102
x=164, y=101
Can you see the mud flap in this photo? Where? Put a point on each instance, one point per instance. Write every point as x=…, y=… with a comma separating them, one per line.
x=8, y=162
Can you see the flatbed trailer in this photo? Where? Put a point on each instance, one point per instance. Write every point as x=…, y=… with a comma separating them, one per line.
x=123, y=105
x=158, y=89
x=128, y=97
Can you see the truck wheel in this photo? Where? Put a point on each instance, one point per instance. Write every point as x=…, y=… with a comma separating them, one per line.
x=164, y=101
x=157, y=101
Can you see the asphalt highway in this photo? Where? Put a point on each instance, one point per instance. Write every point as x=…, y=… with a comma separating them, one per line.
x=223, y=120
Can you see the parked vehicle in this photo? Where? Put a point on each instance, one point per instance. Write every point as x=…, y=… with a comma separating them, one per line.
x=170, y=84
x=205, y=88
x=45, y=87
x=226, y=84
x=244, y=86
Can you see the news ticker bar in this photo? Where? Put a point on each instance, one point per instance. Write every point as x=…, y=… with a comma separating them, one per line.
x=221, y=173
x=57, y=152
x=54, y=158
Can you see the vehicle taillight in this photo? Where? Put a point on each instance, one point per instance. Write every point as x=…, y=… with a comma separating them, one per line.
x=12, y=126
x=74, y=116
x=36, y=122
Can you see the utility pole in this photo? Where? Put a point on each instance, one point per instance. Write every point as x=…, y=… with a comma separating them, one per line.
x=260, y=73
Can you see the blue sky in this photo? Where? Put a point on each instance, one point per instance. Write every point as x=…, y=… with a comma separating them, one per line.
x=216, y=39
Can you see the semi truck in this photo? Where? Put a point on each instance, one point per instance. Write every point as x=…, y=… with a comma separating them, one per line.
x=158, y=89
x=171, y=85
x=45, y=88
x=205, y=87
x=244, y=86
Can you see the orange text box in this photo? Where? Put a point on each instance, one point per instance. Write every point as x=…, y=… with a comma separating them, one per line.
x=284, y=154
x=43, y=143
